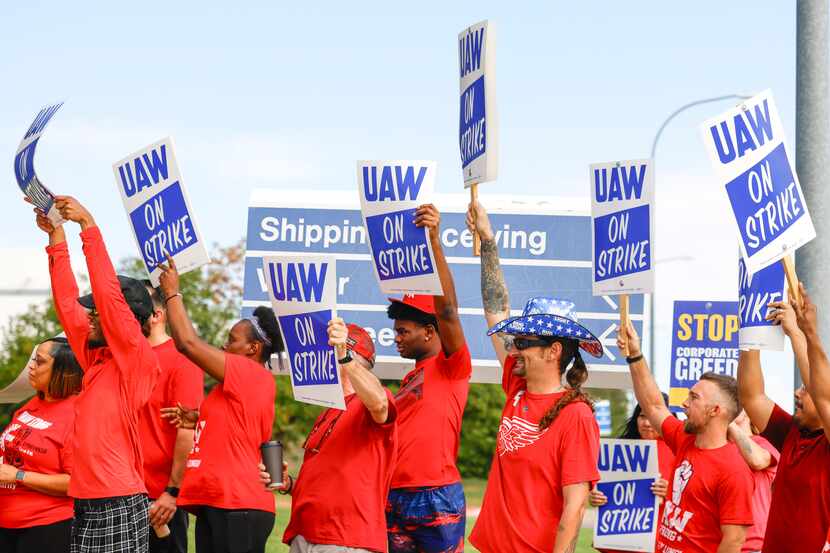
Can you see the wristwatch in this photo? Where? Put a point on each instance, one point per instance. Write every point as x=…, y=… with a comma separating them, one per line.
x=172, y=490
x=20, y=476
x=345, y=359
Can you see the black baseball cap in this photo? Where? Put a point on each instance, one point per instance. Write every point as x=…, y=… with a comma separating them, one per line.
x=136, y=294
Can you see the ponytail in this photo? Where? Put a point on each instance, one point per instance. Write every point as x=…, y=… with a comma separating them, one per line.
x=575, y=376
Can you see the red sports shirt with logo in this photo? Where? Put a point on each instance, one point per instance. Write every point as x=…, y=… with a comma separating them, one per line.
x=38, y=439
x=118, y=378
x=708, y=488
x=799, y=514
x=523, y=502
x=430, y=405
x=340, y=494
x=234, y=421
x=180, y=381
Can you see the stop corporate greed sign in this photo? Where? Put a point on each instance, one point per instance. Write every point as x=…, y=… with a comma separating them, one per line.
x=478, y=124
x=755, y=293
x=747, y=149
x=622, y=195
x=303, y=294
x=627, y=468
x=159, y=210
x=24, y=166
x=390, y=192
x=704, y=339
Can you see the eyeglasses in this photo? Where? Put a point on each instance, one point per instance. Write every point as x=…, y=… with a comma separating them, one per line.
x=520, y=344
x=326, y=433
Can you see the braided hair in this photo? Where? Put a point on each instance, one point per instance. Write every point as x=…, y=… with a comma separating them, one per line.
x=575, y=376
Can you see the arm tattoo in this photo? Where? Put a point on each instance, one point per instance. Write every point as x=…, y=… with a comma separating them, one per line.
x=745, y=444
x=493, y=289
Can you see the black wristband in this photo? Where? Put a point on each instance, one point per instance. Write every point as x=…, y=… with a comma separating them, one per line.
x=172, y=490
x=287, y=491
x=345, y=359
x=634, y=359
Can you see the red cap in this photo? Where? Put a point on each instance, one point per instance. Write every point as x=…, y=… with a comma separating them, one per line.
x=360, y=342
x=421, y=302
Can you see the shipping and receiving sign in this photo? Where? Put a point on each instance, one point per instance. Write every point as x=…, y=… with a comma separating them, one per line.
x=755, y=293
x=478, y=123
x=159, y=210
x=627, y=468
x=748, y=151
x=544, y=246
x=24, y=165
x=622, y=210
x=704, y=339
x=390, y=192
x=302, y=291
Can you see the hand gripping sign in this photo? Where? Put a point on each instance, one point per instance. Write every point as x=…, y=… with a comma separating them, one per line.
x=478, y=123
x=627, y=468
x=747, y=148
x=303, y=293
x=159, y=210
x=704, y=339
x=24, y=166
x=755, y=293
x=390, y=192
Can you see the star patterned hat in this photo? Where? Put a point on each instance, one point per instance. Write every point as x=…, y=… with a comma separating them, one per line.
x=550, y=317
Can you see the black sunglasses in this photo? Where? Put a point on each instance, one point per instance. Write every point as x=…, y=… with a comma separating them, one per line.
x=524, y=343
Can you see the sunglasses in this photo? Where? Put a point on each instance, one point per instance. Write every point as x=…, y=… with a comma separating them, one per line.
x=520, y=344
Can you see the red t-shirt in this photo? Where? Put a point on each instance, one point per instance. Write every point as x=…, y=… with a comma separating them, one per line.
x=665, y=462
x=339, y=497
x=38, y=439
x=708, y=488
x=523, y=502
x=234, y=421
x=430, y=405
x=799, y=514
x=761, y=498
x=118, y=378
x=180, y=381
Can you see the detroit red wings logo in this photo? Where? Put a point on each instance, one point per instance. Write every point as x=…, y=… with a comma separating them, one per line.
x=516, y=433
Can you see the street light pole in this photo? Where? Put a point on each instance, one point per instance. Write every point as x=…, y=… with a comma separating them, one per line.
x=675, y=113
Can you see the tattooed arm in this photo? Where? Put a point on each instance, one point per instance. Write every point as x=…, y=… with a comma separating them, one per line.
x=755, y=456
x=494, y=294
x=570, y=522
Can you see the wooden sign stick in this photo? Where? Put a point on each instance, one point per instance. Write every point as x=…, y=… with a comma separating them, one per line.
x=792, y=279
x=624, y=314
x=476, y=237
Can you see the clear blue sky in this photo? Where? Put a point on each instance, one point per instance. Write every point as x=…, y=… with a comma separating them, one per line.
x=278, y=94
x=275, y=94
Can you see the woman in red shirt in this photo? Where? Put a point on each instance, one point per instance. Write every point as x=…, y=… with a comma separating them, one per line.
x=233, y=511
x=36, y=456
x=639, y=428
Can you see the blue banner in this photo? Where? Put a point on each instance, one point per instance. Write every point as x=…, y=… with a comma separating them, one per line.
x=399, y=247
x=163, y=225
x=704, y=339
x=306, y=339
x=755, y=294
x=622, y=243
x=630, y=508
x=472, y=130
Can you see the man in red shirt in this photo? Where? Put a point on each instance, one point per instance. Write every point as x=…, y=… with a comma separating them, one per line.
x=340, y=495
x=426, y=509
x=548, y=440
x=801, y=489
x=105, y=331
x=709, y=502
x=164, y=446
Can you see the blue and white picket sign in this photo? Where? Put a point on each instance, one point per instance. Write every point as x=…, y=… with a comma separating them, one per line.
x=478, y=119
x=303, y=293
x=704, y=339
x=755, y=292
x=159, y=210
x=390, y=192
x=622, y=213
x=24, y=165
x=748, y=151
x=544, y=246
x=602, y=413
x=627, y=469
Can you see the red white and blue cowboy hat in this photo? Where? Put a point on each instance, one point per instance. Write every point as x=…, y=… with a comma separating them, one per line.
x=550, y=317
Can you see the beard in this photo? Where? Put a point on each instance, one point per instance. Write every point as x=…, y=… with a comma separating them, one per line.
x=95, y=342
x=690, y=428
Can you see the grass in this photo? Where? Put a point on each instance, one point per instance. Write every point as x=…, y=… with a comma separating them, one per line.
x=473, y=490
